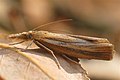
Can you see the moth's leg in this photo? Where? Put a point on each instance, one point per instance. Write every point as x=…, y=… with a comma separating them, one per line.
x=29, y=44
x=74, y=60
x=16, y=43
x=22, y=42
x=27, y=70
x=1, y=59
x=28, y=66
x=26, y=48
x=50, y=51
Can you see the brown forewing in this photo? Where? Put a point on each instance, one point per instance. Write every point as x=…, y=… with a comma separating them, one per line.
x=79, y=46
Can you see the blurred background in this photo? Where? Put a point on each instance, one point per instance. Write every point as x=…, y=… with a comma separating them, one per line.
x=98, y=18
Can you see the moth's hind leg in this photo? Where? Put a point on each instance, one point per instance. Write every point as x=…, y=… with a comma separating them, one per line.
x=72, y=59
x=49, y=50
x=76, y=61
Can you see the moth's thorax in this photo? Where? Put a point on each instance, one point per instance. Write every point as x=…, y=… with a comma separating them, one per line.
x=40, y=34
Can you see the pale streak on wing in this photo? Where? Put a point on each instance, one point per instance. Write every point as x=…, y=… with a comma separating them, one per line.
x=91, y=39
x=80, y=42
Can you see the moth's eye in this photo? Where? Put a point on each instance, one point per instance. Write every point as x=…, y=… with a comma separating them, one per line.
x=29, y=36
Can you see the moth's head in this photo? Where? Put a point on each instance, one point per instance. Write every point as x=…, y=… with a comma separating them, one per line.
x=21, y=36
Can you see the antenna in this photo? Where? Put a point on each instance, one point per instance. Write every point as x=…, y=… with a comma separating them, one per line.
x=52, y=23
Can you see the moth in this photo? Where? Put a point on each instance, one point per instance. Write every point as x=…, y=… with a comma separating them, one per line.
x=72, y=46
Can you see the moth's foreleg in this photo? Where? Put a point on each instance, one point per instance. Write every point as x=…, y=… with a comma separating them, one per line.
x=27, y=69
x=49, y=50
x=1, y=59
x=16, y=43
x=29, y=44
x=26, y=48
